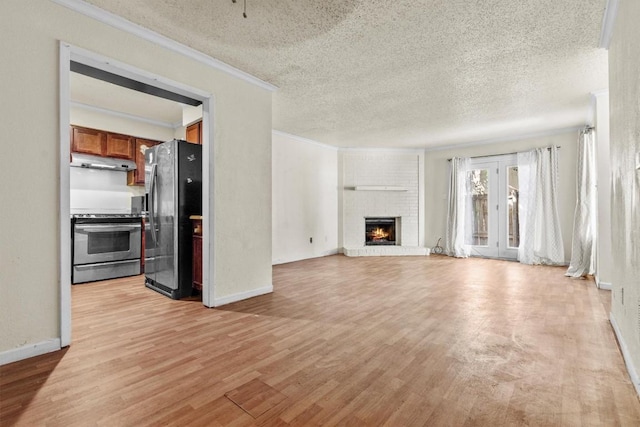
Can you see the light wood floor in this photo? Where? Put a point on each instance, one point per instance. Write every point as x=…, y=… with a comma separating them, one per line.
x=397, y=341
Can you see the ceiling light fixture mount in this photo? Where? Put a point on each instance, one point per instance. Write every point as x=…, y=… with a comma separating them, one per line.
x=244, y=12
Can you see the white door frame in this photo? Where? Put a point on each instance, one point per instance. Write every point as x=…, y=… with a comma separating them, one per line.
x=498, y=246
x=69, y=53
x=490, y=250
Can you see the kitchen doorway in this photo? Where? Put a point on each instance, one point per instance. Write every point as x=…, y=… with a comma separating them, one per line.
x=70, y=54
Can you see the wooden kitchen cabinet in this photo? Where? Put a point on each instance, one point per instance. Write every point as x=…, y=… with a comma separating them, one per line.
x=120, y=146
x=136, y=177
x=101, y=143
x=194, y=133
x=196, y=274
x=88, y=141
x=110, y=144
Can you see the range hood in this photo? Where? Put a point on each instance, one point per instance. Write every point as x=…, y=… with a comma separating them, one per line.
x=105, y=163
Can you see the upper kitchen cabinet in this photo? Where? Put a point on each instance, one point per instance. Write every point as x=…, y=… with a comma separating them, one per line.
x=101, y=143
x=88, y=141
x=136, y=177
x=119, y=146
x=194, y=133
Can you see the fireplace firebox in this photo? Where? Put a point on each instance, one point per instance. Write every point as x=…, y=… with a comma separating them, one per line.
x=380, y=231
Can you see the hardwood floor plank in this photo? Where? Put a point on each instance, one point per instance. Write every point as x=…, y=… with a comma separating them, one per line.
x=349, y=341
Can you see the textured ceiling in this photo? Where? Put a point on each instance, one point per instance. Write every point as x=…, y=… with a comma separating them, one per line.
x=405, y=73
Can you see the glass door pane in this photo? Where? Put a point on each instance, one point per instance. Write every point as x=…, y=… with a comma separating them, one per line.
x=513, y=196
x=478, y=180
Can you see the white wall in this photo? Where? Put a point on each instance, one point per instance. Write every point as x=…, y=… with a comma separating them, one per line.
x=29, y=167
x=381, y=168
x=437, y=178
x=624, y=93
x=305, y=199
x=603, y=246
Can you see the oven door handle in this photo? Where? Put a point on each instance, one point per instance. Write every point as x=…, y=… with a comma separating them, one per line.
x=107, y=227
x=152, y=202
x=105, y=264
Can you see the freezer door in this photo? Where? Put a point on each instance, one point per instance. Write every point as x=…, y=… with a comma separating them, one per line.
x=160, y=237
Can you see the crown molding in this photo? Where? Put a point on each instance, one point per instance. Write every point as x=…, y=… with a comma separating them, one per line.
x=550, y=132
x=302, y=139
x=114, y=113
x=383, y=150
x=608, y=22
x=120, y=23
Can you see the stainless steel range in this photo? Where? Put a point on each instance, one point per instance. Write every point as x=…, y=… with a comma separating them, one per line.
x=105, y=246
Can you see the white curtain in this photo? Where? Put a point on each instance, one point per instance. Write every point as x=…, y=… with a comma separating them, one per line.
x=456, y=212
x=540, y=234
x=584, y=222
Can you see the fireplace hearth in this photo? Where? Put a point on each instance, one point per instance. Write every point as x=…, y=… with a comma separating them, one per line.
x=380, y=231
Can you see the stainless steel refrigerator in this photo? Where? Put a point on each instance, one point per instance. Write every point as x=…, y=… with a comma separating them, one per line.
x=173, y=184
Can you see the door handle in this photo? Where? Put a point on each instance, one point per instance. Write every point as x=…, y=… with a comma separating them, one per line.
x=152, y=202
x=107, y=228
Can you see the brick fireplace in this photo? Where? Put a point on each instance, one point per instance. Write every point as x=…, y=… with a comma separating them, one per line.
x=382, y=186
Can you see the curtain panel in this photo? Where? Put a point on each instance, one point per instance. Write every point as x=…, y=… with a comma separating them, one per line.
x=540, y=234
x=457, y=209
x=584, y=222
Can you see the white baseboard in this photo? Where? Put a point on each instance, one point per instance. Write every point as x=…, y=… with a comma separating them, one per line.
x=633, y=374
x=602, y=285
x=30, y=350
x=605, y=286
x=217, y=302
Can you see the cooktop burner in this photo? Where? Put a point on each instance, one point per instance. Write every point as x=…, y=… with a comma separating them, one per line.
x=106, y=218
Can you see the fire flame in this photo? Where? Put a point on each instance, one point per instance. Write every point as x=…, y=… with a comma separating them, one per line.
x=379, y=234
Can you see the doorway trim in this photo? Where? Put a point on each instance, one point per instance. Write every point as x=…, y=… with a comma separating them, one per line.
x=70, y=53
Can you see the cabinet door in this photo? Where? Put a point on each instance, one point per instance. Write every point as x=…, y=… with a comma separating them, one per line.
x=194, y=133
x=120, y=146
x=136, y=177
x=88, y=141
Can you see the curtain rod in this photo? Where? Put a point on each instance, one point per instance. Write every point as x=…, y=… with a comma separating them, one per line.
x=504, y=154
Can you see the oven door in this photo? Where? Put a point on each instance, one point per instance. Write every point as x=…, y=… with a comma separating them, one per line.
x=95, y=243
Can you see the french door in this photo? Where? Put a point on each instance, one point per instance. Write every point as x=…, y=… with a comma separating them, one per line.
x=492, y=207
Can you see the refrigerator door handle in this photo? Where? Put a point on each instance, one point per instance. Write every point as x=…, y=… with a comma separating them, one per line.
x=152, y=202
